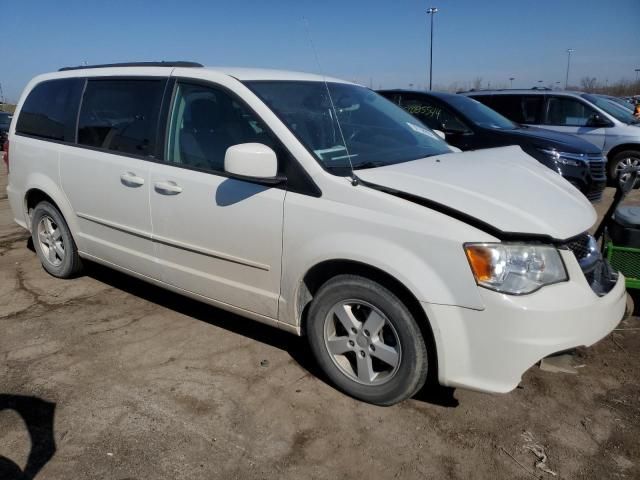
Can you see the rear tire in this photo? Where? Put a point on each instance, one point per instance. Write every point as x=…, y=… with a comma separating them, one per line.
x=366, y=341
x=53, y=242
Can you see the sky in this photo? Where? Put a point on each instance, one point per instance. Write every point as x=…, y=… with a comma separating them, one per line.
x=384, y=44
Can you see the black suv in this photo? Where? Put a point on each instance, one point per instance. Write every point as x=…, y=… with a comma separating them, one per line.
x=470, y=125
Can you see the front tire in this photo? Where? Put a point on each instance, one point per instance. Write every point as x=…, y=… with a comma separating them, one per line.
x=620, y=161
x=53, y=242
x=366, y=340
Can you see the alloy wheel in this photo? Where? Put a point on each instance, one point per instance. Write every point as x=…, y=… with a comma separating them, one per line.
x=623, y=164
x=51, y=241
x=362, y=342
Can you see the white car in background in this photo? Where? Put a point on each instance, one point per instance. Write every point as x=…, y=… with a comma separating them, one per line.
x=316, y=206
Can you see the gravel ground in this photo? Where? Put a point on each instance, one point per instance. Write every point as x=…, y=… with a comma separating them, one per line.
x=107, y=377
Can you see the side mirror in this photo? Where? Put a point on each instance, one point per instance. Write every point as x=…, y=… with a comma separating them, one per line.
x=596, y=120
x=252, y=161
x=440, y=133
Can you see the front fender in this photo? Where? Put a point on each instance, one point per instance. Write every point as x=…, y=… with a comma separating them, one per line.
x=420, y=274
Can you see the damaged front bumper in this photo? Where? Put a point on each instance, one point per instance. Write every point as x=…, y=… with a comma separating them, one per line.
x=490, y=349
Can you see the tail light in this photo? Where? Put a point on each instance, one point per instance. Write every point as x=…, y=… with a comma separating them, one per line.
x=5, y=149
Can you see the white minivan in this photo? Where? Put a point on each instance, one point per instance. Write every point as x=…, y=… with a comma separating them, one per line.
x=316, y=206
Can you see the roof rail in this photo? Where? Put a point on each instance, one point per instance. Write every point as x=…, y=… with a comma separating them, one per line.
x=135, y=64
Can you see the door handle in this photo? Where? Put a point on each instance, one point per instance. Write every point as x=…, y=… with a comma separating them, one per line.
x=130, y=179
x=167, y=188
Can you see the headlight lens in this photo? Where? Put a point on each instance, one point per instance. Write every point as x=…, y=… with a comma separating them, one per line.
x=515, y=268
x=565, y=158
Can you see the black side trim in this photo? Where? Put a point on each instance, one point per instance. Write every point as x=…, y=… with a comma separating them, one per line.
x=469, y=219
x=277, y=180
x=135, y=64
x=87, y=147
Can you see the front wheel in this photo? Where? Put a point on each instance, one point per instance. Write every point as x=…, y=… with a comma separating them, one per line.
x=366, y=340
x=621, y=161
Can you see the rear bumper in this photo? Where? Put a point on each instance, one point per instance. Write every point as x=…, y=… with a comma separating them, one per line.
x=490, y=349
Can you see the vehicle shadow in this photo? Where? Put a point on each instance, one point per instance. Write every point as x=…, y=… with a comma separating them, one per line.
x=38, y=416
x=295, y=346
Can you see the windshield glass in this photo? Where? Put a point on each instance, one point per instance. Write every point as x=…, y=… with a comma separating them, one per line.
x=619, y=101
x=616, y=111
x=5, y=119
x=480, y=114
x=369, y=130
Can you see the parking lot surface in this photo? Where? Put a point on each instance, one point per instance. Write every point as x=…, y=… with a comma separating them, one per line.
x=107, y=377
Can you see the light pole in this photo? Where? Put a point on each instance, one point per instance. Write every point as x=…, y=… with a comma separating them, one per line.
x=566, y=80
x=511, y=79
x=431, y=11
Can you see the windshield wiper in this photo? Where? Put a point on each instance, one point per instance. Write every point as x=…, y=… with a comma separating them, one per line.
x=359, y=166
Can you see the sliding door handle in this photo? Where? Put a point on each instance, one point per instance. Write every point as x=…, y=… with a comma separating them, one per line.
x=130, y=179
x=167, y=188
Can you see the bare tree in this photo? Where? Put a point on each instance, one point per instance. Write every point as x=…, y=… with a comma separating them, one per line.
x=589, y=84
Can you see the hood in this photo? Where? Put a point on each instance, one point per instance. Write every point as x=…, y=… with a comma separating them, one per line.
x=564, y=142
x=503, y=188
x=624, y=133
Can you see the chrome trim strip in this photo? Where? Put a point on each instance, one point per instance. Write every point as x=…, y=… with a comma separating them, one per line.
x=210, y=253
x=175, y=243
x=115, y=226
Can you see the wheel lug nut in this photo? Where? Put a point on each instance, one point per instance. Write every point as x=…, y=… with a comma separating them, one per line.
x=372, y=347
x=362, y=354
x=351, y=343
x=366, y=333
x=353, y=330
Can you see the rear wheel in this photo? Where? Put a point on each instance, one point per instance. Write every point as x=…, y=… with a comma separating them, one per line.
x=620, y=161
x=366, y=340
x=53, y=242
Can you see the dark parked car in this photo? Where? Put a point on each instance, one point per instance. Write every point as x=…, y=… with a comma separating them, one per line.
x=470, y=125
x=5, y=121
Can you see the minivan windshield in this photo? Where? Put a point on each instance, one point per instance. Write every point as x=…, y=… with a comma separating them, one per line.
x=480, y=114
x=617, y=111
x=369, y=130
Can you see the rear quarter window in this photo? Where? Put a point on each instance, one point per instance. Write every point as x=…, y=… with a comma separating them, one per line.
x=517, y=108
x=50, y=110
x=121, y=115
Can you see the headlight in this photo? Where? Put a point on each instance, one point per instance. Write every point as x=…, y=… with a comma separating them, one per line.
x=515, y=268
x=565, y=158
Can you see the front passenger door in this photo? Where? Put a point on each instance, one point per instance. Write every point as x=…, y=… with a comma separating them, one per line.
x=570, y=115
x=216, y=236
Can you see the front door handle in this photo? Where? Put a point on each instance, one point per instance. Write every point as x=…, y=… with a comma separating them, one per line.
x=130, y=179
x=167, y=188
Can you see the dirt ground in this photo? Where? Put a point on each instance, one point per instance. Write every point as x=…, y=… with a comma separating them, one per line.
x=106, y=377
